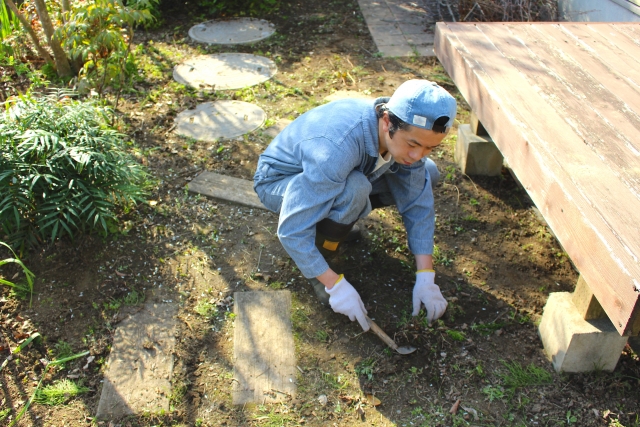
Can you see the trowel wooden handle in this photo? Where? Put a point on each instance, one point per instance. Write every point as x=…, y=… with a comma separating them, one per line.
x=383, y=336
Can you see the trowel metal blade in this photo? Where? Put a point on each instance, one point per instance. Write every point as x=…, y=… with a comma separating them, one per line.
x=407, y=349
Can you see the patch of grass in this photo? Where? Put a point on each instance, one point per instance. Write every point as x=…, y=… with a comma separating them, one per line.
x=133, y=298
x=112, y=305
x=486, y=328
x=63, y=349
x=456, y=335
x=519, y=376
x=59, y=392
x=365, y=368
x=299, y=318
x=271, y=418
x=442, y=257
x=277, y=285
x=322, y=336
x=404, y=319
x=493, y=393
x=4, y=413
x=205, y=309
x=338, y=383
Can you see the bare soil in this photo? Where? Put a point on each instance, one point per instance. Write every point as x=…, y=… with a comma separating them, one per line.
x=497, y=262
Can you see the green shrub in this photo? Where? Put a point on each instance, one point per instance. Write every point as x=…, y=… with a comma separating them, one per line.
x=63, y=170
x=97, y=37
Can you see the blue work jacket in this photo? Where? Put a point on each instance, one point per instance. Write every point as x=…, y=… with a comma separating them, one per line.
x=320, y=149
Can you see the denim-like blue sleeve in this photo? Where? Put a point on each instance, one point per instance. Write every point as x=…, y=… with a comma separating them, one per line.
x=309, y=197
x=412, y=192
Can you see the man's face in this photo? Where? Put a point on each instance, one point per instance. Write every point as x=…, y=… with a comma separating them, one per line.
x=409, y=146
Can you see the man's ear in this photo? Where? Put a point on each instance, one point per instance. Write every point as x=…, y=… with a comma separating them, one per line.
x=385, y=121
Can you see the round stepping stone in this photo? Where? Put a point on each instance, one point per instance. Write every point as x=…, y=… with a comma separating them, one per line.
x=224, y=71
x=343, y=94
x=219, y=119
x=235, y=31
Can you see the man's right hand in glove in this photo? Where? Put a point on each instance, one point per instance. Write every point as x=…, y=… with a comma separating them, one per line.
x=344, y=299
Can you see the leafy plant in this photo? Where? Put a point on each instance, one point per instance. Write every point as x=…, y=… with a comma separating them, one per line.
x=63, y=170
x=55, y=363
x=59, y=392
x=8, y=22
x=28, y=274
x=97, y=35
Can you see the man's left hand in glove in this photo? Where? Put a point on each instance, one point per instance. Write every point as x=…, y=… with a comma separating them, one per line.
x=427, y=293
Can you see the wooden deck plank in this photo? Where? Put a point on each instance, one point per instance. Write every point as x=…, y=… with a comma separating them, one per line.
x=263, y=351
x=585, y=51
x=596, y=115
x=561, y=178
x=594, y=36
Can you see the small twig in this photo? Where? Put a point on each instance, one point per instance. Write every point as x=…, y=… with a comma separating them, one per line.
x=469, y=178
x=259, y=258
x=347, y=58
x=470, y=11
x=457, y=201
x=187, y=324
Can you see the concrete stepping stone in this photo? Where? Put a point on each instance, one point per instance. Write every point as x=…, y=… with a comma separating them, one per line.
x=274, y=130
x=224, y=71
x=220, y=119
x=234, y=31
x=139, y=368
x=398, y=27
x=263, y=351
x=226, y=188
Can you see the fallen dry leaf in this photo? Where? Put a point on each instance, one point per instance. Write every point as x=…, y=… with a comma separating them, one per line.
x=20, y=336
x=373, y=400
x=454, y=408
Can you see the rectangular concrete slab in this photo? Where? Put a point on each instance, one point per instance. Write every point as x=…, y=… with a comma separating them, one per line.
x=263, y=351
x=138, y=375
x=226, y=188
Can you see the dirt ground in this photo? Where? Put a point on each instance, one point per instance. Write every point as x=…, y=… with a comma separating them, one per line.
x=496, y=262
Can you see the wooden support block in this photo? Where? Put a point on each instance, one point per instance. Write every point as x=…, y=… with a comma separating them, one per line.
x=476, y=125
x=586, y=303
x=263, y=351
x=477, y=155
x=226, y=188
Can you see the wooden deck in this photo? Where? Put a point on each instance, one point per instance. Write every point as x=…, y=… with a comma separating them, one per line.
x=562, y=103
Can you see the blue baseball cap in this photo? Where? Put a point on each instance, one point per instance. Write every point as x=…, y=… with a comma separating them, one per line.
x=421, y=102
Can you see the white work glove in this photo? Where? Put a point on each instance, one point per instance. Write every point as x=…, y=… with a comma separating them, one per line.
x=344, y=299
x=428, y=293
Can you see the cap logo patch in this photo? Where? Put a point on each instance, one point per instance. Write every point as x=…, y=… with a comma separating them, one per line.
x=419, y=120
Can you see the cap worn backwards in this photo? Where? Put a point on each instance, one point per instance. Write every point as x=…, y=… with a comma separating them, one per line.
x=421, y=102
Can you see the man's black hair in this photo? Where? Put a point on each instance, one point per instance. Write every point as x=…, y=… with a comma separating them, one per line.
x=396, y=124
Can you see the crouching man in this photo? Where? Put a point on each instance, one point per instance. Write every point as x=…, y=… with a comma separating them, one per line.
x=337, y=162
